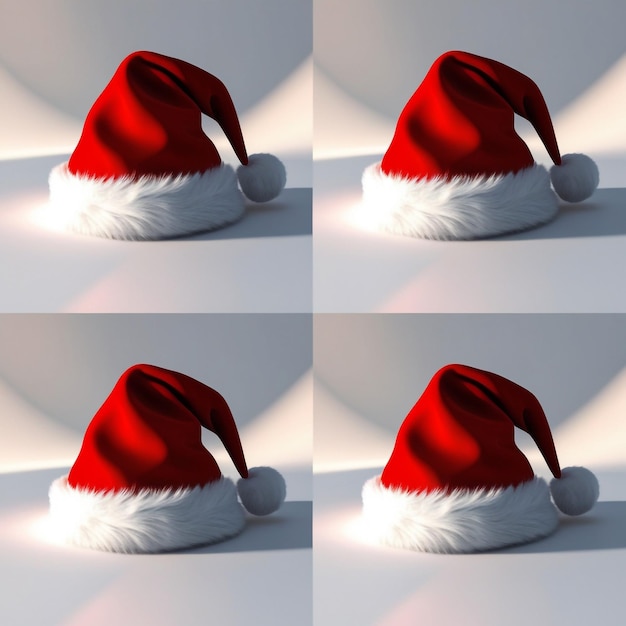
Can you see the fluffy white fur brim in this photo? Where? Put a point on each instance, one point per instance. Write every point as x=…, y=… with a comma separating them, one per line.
x=150, y=207
x=146, y=521
x=460, y=208
x=460, y=521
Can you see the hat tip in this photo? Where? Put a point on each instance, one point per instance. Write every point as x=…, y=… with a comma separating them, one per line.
x=263, y=492
x=576, y=491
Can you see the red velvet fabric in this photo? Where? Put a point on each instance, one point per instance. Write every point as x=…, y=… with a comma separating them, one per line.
x=147, y=121
x=147, y=434
x=460, y=121
x=460, y=434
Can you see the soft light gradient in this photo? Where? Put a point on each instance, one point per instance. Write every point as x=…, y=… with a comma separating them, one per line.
x=264, y=57
x=572, y=264
x=55, y=372
x=370, y=370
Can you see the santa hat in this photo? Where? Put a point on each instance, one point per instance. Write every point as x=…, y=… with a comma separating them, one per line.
x=456, y=481
x=144, y=169
x=456, y=168
x=143, y=481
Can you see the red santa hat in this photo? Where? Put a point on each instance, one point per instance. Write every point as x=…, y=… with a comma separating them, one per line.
x=456, y=168
x=143, y=481
x=144, y=169
x=456, y=481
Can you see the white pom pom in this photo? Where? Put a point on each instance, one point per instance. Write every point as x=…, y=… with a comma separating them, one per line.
x=263, y=178
x=576, y=491
x=263, y=491
x=576, y=178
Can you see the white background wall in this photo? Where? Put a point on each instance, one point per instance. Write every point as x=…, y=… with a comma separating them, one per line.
x=56, y=56
x=373, y=368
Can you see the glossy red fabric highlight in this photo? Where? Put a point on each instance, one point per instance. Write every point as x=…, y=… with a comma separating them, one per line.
x=148, y=121
x=460, y=121
x=460, y=435
x=147, y=434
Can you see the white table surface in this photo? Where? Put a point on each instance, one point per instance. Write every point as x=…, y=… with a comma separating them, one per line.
x=575, y=577
x=235, y=582
x=573, y=264
x=260, y=264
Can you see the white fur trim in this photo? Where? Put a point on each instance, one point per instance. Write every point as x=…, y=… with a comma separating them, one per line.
x=150, y=207
x=576, y=178
x=263, y=492
x=147, y=521
x=263, y=178
x=460, y=208
x=460, y=521
x=576, y=491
